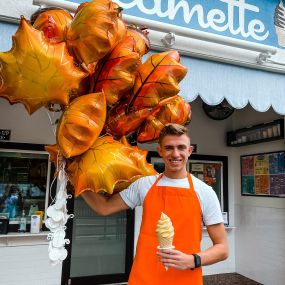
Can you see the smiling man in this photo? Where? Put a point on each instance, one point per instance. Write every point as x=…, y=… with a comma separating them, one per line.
x=182, y=197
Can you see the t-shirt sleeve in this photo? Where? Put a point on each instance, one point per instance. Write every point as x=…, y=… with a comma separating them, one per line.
x=131, y=195
x=212, y=213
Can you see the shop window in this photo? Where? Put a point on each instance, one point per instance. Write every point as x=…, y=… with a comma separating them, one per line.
x=25, y=173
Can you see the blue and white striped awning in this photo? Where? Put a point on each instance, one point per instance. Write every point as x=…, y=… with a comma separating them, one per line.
x=214, y=82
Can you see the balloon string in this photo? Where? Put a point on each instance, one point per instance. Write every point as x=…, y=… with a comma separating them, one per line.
x=50, y=120
x=63, y=178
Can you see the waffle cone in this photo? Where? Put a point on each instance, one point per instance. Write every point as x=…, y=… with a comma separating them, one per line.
x=165, y=242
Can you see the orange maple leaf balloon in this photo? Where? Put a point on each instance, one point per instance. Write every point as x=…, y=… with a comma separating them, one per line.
x=106, y=164
x=35, y=72
x=116, y=74
x=157, y=79
x=93, y=31
x=81, y=124
x=53, y=22
x=140, y=36
x=175, y=111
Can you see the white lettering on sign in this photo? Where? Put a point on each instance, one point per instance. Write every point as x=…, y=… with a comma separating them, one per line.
x=215, y=19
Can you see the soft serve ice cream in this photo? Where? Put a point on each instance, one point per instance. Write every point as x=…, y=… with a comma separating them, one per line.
x=279, y=22
x=165, y=232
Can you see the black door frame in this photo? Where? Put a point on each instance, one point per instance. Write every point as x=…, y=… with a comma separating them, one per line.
x=98, y=279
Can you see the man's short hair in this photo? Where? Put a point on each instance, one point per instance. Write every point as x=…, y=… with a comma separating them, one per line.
x=174, y=130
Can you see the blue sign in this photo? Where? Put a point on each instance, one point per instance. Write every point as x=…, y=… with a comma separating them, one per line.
x=261, y=21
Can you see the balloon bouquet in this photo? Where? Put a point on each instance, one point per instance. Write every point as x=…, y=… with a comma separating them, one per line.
x=89, y=67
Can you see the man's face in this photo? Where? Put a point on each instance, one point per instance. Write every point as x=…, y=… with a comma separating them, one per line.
x=175, y=151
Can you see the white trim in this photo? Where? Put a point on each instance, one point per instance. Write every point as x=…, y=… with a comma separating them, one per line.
x=199, y=35
x=70, y=6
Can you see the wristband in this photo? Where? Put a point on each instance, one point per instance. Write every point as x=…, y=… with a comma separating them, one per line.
x=197, y=261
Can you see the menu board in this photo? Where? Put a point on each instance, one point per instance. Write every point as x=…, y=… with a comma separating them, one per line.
x=263, y=174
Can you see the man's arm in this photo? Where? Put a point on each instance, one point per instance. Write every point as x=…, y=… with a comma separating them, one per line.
x=102, y=205
x=216, y=253
x=219, y=251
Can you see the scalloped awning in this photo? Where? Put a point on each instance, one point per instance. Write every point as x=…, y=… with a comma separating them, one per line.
x=214, y=81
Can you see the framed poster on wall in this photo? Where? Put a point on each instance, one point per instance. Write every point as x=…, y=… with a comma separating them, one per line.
x=263, y=174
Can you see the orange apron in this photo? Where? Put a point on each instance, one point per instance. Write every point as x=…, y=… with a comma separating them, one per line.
x=183, y=207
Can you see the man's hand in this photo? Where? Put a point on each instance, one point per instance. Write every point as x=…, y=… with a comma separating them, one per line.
x=176, y=259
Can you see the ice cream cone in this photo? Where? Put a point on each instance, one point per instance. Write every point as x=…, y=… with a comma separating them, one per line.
x=165, y=243
x=279, y=23
x=165, y=233
x=280, y=32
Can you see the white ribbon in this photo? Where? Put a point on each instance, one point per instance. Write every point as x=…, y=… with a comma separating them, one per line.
x=57, y=218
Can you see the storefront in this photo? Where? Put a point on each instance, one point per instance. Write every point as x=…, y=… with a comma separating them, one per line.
x=232, y=52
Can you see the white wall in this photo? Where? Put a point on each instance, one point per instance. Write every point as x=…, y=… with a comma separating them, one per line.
x=260, y=221
x=24, y=260
x=25, y=128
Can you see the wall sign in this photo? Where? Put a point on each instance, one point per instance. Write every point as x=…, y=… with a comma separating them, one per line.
x=5, y=135
x=258, y=21
x=263, y=174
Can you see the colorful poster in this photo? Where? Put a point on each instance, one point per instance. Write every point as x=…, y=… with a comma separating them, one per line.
x=277, y=184
x=261, y=164
x=261, y=184
x=263, y=174
x=248, y=185
x=247, y=165
x=276, y=163
x=210, y=173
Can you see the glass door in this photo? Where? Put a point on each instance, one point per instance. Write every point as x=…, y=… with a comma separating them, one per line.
x=101, y=248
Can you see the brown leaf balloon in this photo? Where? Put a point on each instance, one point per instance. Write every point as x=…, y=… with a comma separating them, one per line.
x=157, y=79
x=53, y=22
x=176, y=111
x=93, y=31
x=36, y=72
x=81, y=124
x=140, y=37
x=117, y=72
x=107, y=164
x=119, y=124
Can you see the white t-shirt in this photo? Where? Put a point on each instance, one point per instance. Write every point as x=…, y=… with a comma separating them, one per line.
x=135, y=194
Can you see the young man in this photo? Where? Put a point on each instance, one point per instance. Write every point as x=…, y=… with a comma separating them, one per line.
x=186, y=200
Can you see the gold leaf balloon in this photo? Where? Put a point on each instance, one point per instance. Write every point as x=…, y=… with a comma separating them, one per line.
x=81, y=124
x=107, y=164
x=35, y=72
x=93, y=31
